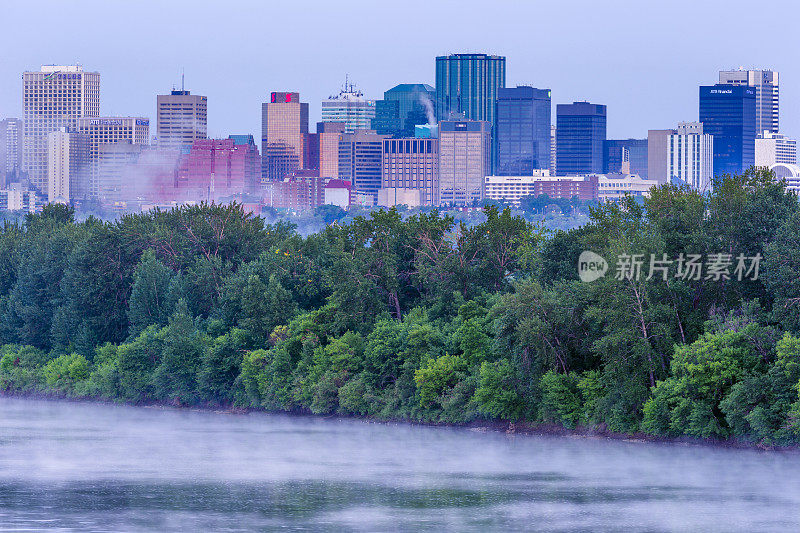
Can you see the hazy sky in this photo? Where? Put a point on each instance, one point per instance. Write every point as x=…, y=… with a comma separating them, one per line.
x=644, y=60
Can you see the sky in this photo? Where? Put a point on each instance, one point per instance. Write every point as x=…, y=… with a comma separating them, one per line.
x=643, y=60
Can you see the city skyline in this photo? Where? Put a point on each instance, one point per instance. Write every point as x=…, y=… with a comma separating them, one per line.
x=626, y=80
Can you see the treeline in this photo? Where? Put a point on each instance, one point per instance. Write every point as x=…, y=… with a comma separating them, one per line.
x=424, y=318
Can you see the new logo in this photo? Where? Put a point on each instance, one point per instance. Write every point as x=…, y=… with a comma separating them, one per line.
x=591, y=266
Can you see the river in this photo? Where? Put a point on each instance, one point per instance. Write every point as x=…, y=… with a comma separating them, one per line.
x=94, y=467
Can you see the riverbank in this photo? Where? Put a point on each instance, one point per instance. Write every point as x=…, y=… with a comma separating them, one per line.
x=522, y=428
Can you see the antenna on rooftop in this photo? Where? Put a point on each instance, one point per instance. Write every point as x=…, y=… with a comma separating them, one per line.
x=182, y=76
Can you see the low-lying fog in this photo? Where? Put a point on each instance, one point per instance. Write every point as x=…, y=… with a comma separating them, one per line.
x=75, y=466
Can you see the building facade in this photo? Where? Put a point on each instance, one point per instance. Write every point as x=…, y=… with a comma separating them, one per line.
x=657, y=154
x=415, y=104
x=767, y=86
x=284, y=127
x=412, y=164
x=773, y=148
x=323, y=149
x=580, y=134
x=614, y=155
x=350, y=107
x=109, y=130
x=511, y=189
x=181, y=119
x=469, y=84
x=728, y=112
x=522, y=136
x=53, y=98
x=10, y=151
x=617, y=185
x=464, y=161
x=67, y=165
x=690, y=156
x=113, y=172
x=361, y=161
x=217, y=170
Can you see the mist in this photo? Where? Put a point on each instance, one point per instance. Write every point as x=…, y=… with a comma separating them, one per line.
x=104, y=467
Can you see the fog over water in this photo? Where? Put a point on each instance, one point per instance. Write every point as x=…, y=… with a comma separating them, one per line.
x=86, y=467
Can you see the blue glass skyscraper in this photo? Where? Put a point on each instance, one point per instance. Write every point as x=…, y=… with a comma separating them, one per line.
x=522, y=137
x=580, y=134
x=728, y=112
x=468, y=84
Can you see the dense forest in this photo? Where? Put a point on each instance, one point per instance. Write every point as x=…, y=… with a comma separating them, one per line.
x=421, y=317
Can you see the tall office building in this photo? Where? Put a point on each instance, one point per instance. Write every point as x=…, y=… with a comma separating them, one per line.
x=109, y=130
x=54, y=98
x=522, y=137
x=636, y=150
x=387, y=119
x=10, y=150
x=580, y=134
x=415, y=105
x=552, y=149
x=350, y=107
x=360, y=161
x=284, y=127
x=657, y=155
x=181, y=119
x=67, y=165
x=464, y=160
x=412, y=164
x=690, y=156
x=323, y=149
x=113, y=172
x=728, y=112
x=766, y=84
x=469, y=84
x=774, y=148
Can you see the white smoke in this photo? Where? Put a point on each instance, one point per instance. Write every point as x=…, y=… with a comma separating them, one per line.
x=425, y=101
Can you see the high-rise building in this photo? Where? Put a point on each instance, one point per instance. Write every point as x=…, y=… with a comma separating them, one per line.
x=10, y=150
x=774, y=148
x=323, y=149
x=412, y=163
x=553, y=150
x=360, y=161
x=766, y=84
x=54, y=98
x=217, y=169
x=181, y=119
x=636, y=149
x=109, y=130
x=690, y=156
x=350, y=107
x=657, y=155
x=415, y=105
x=580, y=134
x=464, y=160
x=113, y=171
x=469, y=84
x=387, y=119
x=728, y=112
x=67, y=165
x=284, y=127
x=522, y=137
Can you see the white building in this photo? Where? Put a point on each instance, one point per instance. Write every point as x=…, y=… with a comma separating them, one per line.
x=766, y=83
x=350, y=107
x=10, y=149
x=17, y=198
x=181, y=119
x=54, y=98
x=774, y=148
x=788, y=172
x=67, y=164
x=615, y=186
x=690, y=156
x=392, y=196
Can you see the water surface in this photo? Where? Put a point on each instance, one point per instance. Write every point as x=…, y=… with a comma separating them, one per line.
x=89, y=467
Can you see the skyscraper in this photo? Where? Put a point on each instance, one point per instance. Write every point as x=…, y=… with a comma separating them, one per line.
x=181, y=119
x=109, y=130
x=690, y=154
x=67, y=165
x=636, y=150
x=360, y=160
x=10, y=150
x=323, y=149
x=113, y=172
x=523, y=130
x=284, y=127
x=469, y=84
x=774, y=148
x=766, y=84
x=464, y=160
x=412, y=164
x=387, y=119
x=54, y=98
x=728, y=112
x=580, y=133
x=350, y=107
x=415, y=103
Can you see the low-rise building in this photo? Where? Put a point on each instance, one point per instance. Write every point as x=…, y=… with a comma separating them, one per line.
x=511, y=189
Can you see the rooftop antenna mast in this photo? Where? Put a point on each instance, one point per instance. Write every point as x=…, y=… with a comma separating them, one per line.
x=182, y=76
